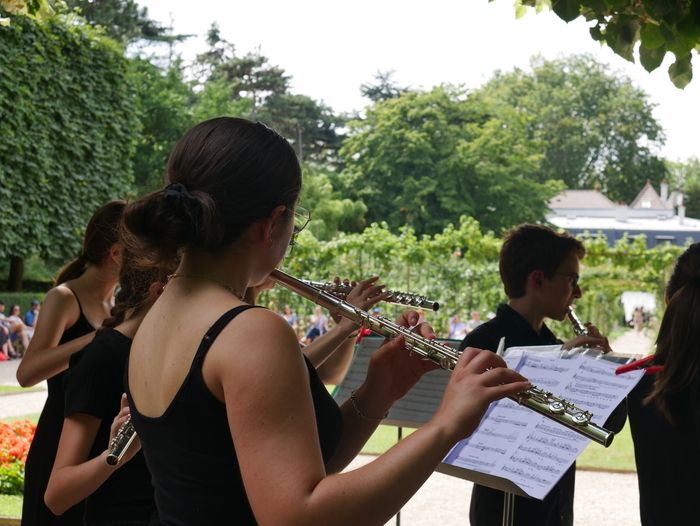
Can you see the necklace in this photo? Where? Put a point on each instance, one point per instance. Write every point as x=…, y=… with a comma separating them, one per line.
x=231, y=289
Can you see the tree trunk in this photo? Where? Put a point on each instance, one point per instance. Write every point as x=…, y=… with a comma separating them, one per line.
x=14, y=280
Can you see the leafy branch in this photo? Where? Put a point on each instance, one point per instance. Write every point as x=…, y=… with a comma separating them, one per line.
x=659, y=26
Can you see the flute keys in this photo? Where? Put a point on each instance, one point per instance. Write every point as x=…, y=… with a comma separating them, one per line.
x=581, y=418
x=557, y=407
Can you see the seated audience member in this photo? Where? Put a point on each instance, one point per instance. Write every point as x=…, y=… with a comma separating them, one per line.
x=32, y=314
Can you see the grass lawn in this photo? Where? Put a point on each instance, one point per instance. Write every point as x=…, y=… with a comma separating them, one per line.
x=10, y=505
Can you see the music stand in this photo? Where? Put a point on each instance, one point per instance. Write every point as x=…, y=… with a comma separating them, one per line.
x=414, y=409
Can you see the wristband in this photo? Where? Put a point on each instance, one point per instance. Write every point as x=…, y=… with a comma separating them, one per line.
x=360, y=413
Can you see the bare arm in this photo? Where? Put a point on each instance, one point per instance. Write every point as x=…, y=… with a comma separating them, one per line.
x=74, y=477
x=270, y=410
x=44, y=358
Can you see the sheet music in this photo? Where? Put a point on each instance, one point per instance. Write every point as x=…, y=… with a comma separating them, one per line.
x=531, y=450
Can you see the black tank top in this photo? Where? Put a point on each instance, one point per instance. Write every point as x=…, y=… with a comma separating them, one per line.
x=42, y=452
x=190, y=453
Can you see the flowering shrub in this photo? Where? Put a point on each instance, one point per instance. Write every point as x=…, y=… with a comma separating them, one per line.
x=15, y=439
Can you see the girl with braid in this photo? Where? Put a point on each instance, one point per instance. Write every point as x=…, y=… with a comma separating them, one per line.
x=94, y=395
x=72, y=310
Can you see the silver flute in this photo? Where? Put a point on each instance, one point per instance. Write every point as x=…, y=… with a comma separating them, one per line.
x=121, y=442
x=399, y=298
x=539, y=400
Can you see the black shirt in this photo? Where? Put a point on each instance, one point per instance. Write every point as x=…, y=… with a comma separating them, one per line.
x=667, y=457
x=487, y=504
x=192, y=457
x=94, y=386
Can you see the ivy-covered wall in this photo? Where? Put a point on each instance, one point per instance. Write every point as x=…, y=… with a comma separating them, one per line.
x=68, y=127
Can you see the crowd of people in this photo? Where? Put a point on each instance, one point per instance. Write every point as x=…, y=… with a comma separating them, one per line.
x=16, y=331
x=230, y=407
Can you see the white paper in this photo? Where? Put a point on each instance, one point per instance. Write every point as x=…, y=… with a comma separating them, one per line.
x=533, y=451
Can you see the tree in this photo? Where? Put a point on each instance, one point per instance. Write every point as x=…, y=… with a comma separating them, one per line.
x=310, y=126
x=596, y=127
x=383, y=88
x=330, y=212
x=163, y=101
x=426, y=158
x=249, y=86
x=660, y=26
x=67, y=122
x=123, y=20
x=685, y=176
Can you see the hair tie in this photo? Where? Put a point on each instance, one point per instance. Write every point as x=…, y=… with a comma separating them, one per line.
x=179, y=197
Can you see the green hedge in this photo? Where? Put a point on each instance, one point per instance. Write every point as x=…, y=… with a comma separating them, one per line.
x=68, y=127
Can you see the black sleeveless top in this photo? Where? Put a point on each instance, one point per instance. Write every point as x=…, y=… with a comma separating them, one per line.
x=190, y=453
x=42, y=452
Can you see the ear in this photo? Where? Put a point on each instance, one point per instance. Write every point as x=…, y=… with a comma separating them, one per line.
x=536, y=278
x=115, y=253
x=155, y=290
x=272, y=225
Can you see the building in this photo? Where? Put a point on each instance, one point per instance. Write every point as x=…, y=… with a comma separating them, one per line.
x=659, y=217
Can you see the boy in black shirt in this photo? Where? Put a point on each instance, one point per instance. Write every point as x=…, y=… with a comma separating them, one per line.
x=540, y=271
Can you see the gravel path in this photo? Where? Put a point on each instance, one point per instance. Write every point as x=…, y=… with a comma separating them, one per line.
x=602, y=499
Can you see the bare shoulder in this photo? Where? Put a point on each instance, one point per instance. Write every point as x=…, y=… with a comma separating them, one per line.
x=256, y=340
x=60, y=301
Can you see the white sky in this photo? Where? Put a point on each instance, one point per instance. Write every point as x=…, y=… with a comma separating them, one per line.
x=331, y=47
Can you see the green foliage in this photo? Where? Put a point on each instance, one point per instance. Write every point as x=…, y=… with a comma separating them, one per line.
x=122, y=20
x=459, y=268
x=67, y=122
x=383, y=87
x=163, y=103
x=332, y=214
x=594, y=126
x=426, y=158
x=659, y=26
x=686, y=177
x=249, y=86
x=12, y=478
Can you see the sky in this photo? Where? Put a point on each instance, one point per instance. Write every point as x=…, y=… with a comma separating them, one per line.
x=330, y=48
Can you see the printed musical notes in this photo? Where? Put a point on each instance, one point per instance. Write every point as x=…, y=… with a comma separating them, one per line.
x=516, y=444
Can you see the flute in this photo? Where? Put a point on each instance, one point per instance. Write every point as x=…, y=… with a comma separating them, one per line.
x=399, y=298
x=539, y=400
x=121, y=442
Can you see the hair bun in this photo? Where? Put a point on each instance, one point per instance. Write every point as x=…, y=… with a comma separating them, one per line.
x=183, y=204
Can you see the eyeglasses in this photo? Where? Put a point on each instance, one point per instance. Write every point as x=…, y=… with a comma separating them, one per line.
x=573, y=277
x=301, y=218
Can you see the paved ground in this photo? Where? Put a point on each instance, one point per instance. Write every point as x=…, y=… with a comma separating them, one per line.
x=602, y=499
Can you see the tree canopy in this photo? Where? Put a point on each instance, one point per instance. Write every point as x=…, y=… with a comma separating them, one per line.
x=595, y=127
x=425, y=158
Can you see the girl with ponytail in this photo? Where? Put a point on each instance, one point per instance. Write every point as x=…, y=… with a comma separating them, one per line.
x=94, y=410
x=664, y=409
x=235, y=424
x=72, y=310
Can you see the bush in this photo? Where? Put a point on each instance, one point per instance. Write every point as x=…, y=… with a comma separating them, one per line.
x=15, y=439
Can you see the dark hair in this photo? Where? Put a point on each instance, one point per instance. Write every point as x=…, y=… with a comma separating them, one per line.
x=224, y=174
x=678, y=342
x=134, y=284
x=533, y=247
x=100, y=234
